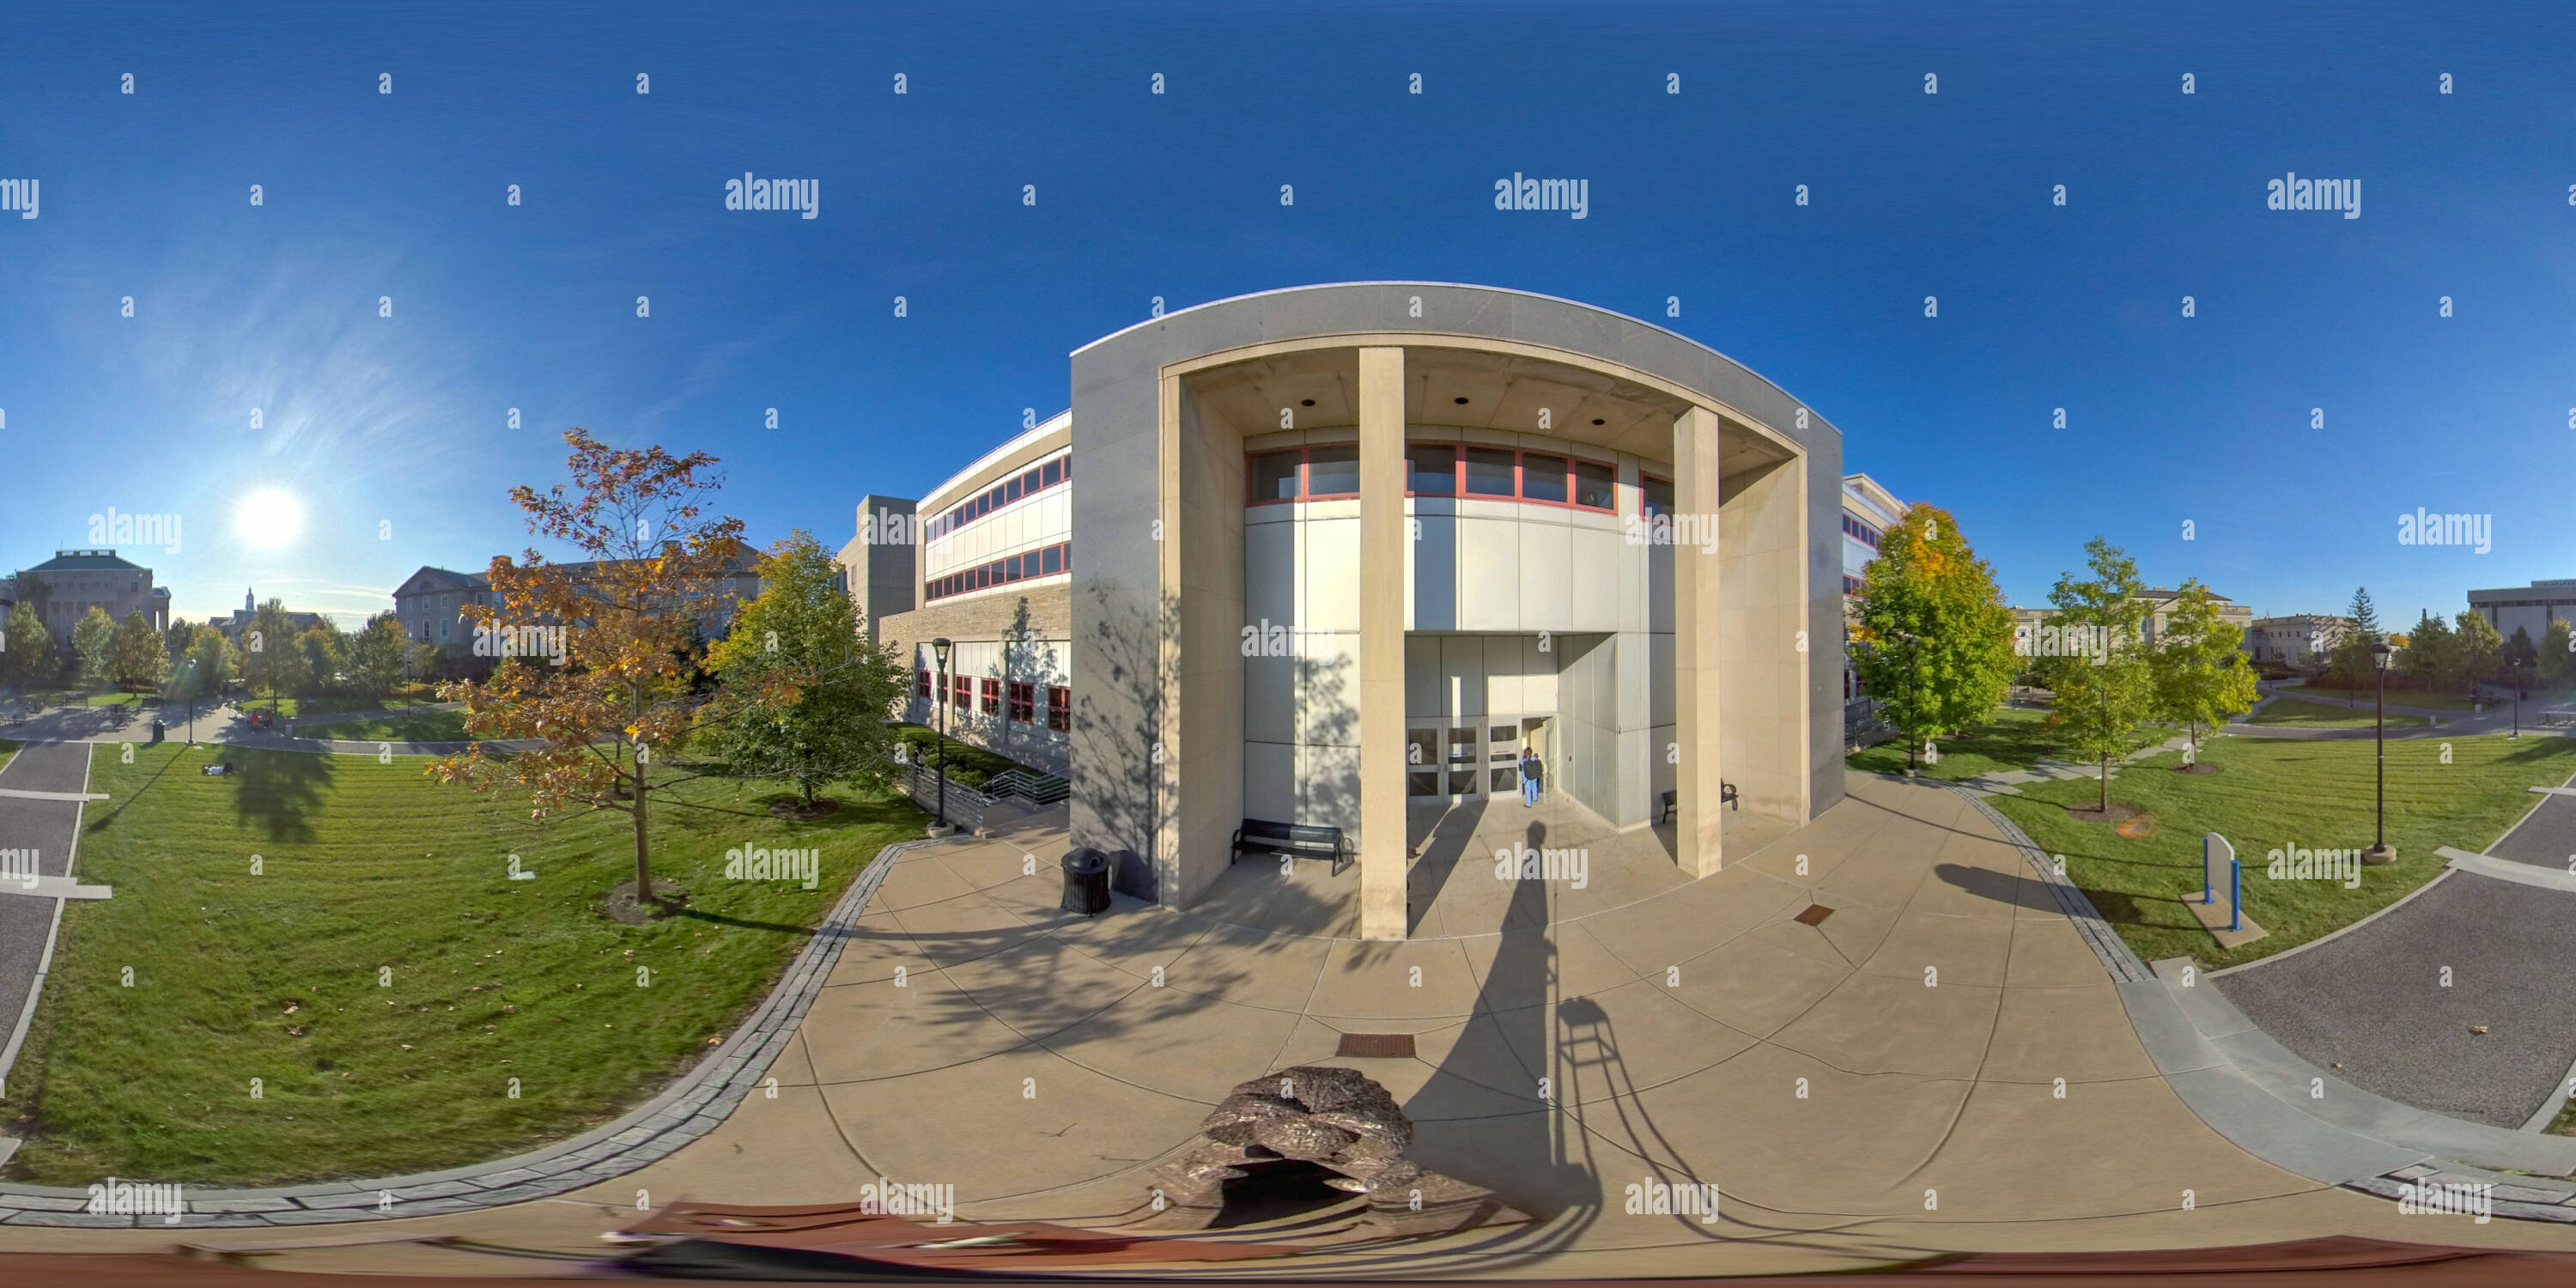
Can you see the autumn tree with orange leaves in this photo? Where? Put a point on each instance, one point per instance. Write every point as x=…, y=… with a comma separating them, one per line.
x=1932, y=638
x=613, y=713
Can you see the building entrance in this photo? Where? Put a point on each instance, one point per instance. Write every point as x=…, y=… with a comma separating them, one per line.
x=1461, y=759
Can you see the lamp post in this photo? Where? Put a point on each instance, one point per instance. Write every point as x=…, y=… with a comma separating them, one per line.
x=2379, y=851
x=940, y=647
x=1914, y=700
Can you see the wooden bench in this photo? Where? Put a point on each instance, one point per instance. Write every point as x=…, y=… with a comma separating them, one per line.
x=1300, y=840
x=1672, y=801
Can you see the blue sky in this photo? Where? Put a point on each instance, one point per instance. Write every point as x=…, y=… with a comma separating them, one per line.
x=399, y=424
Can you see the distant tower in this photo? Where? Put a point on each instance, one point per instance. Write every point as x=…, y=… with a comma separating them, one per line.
x=248, y=608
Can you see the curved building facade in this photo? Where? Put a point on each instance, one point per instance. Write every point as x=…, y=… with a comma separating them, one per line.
x=1340, y=552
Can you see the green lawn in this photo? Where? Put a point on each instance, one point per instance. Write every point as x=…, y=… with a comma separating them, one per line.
x=84, y=698
x=289, y=708
x=274, y=977
x=2433, y=701
x=423, y=726
x=8, y=751
x=2271, y=794
x=2299, y=713
x=2015, y=740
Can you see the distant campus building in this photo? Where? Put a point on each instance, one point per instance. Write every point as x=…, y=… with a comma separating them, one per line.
x=1869, y=510
x=244, y=615
x=2160, y=603
x=1343, y=550
x=430, y=604
x=2532, y=607
x=2302, y=640
x=65, y=587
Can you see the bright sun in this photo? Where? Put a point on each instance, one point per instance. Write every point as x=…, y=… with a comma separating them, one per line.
x=269, y=518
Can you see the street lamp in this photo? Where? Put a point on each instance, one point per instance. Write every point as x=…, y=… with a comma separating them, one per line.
x=939, y=648
x=2380, y=852
x=1914, y=701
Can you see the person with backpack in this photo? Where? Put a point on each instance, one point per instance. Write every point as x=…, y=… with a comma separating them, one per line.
x=1531, y=770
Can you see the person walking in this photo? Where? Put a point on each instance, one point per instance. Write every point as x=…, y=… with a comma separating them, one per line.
x=1530, y=771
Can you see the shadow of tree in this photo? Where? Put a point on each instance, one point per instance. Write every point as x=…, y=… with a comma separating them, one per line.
x=277, y=791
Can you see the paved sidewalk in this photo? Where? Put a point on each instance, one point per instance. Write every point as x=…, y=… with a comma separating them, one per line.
x=1569, y=1042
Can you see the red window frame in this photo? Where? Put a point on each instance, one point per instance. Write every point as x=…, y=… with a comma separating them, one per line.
x=1045, y=561
x=1059, y=707
x=923, y=691
x=961, y=692
x=1024, y=702
x=992, y=696
x=1520, y=476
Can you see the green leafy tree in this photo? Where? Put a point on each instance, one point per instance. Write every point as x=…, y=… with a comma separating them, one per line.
x=137, y=656
x=1933, y=637
x=270, y=657
x=2475, y=650
x=326, y=656
x=209, y=666
x=376, y=655
x=804, y=692
x=27, y=653
x=2428, y=652
x=2199, y=665
x=2103, y=703
x=94, y=646
x=175, y=641
x=424, y=660
x=2557, y=653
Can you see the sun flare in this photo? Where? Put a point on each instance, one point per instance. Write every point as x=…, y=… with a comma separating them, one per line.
x=269, y=518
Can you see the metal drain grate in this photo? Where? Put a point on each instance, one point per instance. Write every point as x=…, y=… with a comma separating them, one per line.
x=1385, y=1046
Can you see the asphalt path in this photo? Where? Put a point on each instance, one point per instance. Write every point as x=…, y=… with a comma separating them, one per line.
x=2371, y=1005
x=49, y=828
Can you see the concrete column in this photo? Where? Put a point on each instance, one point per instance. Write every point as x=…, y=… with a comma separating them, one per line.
x=1383, y=541
x=1698, y=821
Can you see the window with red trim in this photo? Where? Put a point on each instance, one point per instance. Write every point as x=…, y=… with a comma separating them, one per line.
x=924, y=690
x=1024, y=702
x=1059, y=707
x=961, y=692
x=992, y=697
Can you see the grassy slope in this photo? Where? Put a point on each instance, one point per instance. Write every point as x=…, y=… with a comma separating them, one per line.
x=369, y=866
x=2433, y=701
x=423, y=726
x=2015, y=740
x=8, y=751
x=2299, y=713
x=288, y=708
x=2273, y=794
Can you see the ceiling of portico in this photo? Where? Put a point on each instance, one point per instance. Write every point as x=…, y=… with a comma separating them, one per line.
x=1466, y=388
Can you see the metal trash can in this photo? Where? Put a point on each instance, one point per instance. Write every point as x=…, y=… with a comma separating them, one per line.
x=1086, y=882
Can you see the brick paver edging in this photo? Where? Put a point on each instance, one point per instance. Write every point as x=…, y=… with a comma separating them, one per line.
x=2117, y=958
x=690, y=1108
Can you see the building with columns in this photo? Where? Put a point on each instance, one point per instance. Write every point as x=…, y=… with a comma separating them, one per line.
x=1341, y=552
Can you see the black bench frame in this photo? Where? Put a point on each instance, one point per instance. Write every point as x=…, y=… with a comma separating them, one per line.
x=1673, y=801
x=1301, y=840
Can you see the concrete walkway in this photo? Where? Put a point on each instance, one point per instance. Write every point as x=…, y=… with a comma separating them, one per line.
x=1939, y=1062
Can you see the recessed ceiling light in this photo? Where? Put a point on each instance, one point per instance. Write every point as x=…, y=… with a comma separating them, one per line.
x=1462, y=402
x=1306, y=402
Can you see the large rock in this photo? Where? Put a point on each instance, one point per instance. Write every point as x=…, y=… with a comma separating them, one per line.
x=1338, y=1119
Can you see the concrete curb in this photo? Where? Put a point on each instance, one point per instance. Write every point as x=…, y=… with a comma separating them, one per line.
x=689, y=1108
x=2117, y=958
